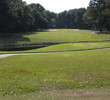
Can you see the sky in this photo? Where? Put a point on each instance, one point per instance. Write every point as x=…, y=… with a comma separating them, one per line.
x=60, y=5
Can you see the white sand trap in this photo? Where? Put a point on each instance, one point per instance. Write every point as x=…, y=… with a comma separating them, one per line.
x=76, y=29
x=53, y=30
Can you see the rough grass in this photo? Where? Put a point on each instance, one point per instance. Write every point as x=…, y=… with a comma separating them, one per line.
x=62, y=35
x=68, y=94
x=66, y=47
x=50, y=72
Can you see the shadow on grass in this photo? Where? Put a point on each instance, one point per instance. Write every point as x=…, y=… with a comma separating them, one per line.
x=12, y=38
x=9, y=38
x=22, y=48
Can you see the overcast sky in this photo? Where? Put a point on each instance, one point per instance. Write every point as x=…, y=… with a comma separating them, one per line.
x=60, y=5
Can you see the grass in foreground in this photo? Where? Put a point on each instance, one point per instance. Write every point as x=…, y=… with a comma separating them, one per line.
x=68, y=94
x=60, y=35
x=50, y=72
x=66, y=47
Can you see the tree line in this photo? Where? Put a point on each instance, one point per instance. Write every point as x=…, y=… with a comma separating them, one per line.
x=18, y=16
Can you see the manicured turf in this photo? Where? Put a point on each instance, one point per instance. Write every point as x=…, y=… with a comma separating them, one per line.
x=50, y=72
x=71, y=46
x=60, y=76
x=66, y=47
x=60, y=35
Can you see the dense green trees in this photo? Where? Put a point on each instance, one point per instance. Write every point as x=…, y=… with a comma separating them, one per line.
x=98, y=14
x=51, y=18
x=17, y=16
x=40, y=21
x=72, y=19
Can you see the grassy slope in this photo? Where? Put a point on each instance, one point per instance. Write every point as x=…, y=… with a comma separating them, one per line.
x=61, y=35
x=65, y=47
x=33, y=73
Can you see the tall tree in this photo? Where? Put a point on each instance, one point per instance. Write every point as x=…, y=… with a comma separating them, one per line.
x=40, y=21
x=51, y=18
x=15, y=16
x=98, y=14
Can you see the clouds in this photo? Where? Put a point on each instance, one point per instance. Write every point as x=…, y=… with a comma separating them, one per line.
x=60, y=5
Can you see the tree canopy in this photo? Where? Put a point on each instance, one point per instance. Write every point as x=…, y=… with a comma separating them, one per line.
x=98, y=14
x=17, y=16
x=72, y=19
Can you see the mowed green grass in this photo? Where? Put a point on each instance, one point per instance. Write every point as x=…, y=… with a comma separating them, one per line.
x=71, y=46
x=58, y=35
x=66, y=47
x=54, y=72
